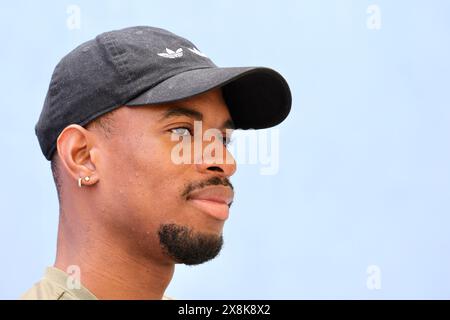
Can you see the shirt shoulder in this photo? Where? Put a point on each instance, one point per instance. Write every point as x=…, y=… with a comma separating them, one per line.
x=46, y=290
x=53, y=286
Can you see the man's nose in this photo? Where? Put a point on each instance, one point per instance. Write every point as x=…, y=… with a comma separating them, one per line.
x=212, y=163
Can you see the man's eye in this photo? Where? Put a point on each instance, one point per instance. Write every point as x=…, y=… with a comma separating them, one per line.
x=181, y=131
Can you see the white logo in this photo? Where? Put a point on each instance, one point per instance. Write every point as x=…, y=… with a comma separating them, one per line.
x=194, y=50
x=172, y=54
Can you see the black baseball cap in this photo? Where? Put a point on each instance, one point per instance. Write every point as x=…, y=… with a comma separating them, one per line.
x=143, y=66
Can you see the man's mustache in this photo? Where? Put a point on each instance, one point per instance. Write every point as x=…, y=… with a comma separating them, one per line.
x=210, y=182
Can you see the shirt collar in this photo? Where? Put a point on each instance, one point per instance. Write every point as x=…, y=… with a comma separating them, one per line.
x=60, y=278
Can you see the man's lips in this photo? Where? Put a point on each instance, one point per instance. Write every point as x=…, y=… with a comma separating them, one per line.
x=215, y=200
x=219, y=194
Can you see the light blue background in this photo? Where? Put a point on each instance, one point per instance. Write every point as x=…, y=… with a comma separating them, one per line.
x=364, y=173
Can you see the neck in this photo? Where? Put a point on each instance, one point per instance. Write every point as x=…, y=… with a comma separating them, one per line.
x=108, y=269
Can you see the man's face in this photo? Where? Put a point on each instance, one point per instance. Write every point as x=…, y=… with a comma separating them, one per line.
x=163, y=209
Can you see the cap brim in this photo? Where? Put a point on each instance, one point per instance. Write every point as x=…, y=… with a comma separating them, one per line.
x=257, y=97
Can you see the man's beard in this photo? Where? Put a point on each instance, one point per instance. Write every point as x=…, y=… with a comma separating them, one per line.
x=184, y=245
x=188, y=247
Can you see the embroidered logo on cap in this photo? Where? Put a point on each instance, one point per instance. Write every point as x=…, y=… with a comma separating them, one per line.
x=172, y=54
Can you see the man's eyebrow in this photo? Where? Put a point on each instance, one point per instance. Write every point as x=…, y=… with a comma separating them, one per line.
x=182, y=111
x=179, y=111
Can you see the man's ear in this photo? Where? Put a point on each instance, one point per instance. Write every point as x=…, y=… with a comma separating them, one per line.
x=76, y=151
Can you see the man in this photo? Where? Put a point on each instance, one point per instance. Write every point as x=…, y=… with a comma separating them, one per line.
x=120, y=111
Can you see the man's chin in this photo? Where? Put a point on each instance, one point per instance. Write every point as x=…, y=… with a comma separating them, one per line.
x=189, y=247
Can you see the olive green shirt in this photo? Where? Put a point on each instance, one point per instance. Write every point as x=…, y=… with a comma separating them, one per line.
x=53, y=286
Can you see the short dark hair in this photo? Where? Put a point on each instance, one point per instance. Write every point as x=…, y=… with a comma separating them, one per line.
x=105, y=124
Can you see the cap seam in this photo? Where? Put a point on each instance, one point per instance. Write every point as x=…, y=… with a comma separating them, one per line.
x=117, y=57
